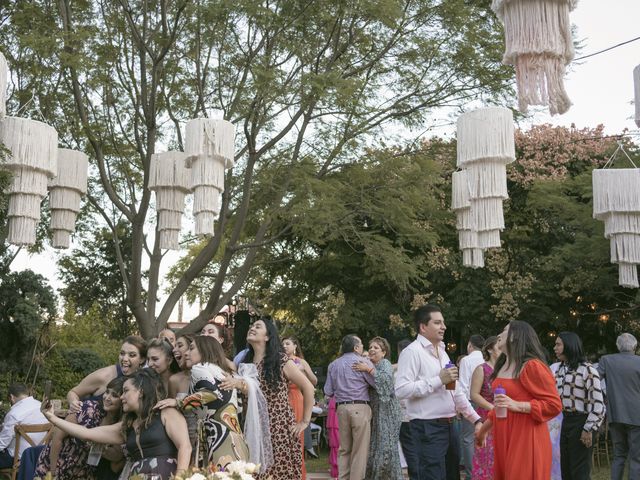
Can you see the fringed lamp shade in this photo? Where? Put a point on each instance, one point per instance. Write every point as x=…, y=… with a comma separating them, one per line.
x=210, y=148
x=169, y=177
x=636, y=88
x=65, y=193
x=33, y=161
x=616, y=201
x=538, y=43
x=472, y=254
x=4, y=77
x=485, y=146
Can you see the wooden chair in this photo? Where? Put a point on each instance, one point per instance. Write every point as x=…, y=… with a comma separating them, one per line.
x=22, y=432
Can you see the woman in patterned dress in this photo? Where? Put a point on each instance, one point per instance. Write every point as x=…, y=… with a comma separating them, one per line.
x=71, y=460
x=280, y=442
x=157, y=442
x=482, y=398
x=383, y=462
x=220, y=437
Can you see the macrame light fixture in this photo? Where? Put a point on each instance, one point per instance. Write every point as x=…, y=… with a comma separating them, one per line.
x=485, y=146
x=472, y=254
x=538, y=43
x=4, y=79
x=636, y=88
x=170, y=179
x=33, y=161
x=616, y=201
x=65, y=193
x=210, y=148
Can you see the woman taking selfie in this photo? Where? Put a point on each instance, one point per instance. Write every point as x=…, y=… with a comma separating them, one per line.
x=157, y=442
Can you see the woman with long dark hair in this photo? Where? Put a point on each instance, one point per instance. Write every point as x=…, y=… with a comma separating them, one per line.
x=133, y=353
x=270, y=427
x=578, y=384
x=221, y=440
x=157, y=442
x=69, y=461
x=522, y=448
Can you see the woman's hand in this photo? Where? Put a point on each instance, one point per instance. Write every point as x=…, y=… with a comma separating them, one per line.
x=167, y=402
x=230, y=383
x=46, y=407
x=298, y=428
x=502, y=400
x=75, y=406
x=362, y=367
x=481, y=437
x=586, y=438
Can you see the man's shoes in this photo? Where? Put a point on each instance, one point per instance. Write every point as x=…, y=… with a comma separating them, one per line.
x=311, y=452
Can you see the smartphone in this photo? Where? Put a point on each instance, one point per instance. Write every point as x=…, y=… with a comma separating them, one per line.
x=47, y=394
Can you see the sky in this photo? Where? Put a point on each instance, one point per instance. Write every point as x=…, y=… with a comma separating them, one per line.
x=600, y=88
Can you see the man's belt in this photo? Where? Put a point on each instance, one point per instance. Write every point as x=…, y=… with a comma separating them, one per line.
x=353, y=402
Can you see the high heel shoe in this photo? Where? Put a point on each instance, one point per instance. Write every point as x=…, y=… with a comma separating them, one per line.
x=311, y=451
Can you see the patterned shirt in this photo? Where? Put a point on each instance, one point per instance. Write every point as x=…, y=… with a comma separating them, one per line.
x=580, y=392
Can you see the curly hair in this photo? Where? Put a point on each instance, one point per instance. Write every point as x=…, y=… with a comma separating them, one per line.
x=272, y=355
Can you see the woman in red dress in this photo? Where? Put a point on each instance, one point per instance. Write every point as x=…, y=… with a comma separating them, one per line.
x=522, y=447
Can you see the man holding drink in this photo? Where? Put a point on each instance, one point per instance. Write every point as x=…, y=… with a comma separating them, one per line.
x=427, y=381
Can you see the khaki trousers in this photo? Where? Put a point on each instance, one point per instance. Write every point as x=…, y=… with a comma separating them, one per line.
x=354, y=423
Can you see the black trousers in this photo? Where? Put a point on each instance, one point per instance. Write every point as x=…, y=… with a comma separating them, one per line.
x=433, y=450
x=575, y=458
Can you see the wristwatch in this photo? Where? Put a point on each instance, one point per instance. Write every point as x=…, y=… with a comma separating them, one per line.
x=477, y=422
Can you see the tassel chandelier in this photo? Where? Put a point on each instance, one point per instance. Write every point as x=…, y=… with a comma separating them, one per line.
x=485, y=146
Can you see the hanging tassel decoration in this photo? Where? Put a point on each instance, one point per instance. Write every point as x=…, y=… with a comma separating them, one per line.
x=170, y=178
x=32, y=162
x=538, y=43
x=472, y=254
x=65, y=193
x=486, y=144
x=210, y=149
x=4, y=80
x=616, y=201
x=636, y=88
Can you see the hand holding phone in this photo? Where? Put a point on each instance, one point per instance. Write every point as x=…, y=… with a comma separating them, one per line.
x=46, y=401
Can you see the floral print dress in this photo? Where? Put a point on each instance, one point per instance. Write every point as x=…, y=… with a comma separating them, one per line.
x=72, y=459
x=287, y=453
x=483, y=456
x=386, y=416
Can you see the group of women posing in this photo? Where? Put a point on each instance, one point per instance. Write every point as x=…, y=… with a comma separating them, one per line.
x=183, y=409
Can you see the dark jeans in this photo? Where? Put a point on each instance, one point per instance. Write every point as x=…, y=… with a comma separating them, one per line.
x=626, y=444
x=6, y=460
x=433, y=451
x=575, y=458
x=409, y=449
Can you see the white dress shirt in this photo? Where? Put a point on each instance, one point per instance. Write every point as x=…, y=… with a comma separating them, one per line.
x=467, y=366
x=418, y=382
x=23, y=412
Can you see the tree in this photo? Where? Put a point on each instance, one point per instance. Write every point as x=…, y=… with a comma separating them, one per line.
x=307, y=84
x=92, y=280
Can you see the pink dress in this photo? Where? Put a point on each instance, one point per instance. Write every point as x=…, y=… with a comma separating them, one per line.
x=334, y=437
x=483, y=456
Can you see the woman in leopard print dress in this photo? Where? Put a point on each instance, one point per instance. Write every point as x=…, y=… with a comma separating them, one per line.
x=275, y=371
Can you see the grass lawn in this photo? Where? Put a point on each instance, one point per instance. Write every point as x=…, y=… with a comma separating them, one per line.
x=321, y=465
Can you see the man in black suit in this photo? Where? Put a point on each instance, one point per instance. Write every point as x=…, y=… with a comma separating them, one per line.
x=621, y=372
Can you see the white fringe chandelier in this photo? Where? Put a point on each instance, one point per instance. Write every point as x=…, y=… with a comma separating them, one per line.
x=32, y=162
x=616, y=201
x=169, y=177
x=210, y=149
x=65, y=193
x=538, y=43
x=486, y=145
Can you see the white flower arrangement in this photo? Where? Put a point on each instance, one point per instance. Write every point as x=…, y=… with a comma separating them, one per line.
x=238, y=470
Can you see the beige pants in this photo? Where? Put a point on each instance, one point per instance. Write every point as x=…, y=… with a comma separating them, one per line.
x=354, y=423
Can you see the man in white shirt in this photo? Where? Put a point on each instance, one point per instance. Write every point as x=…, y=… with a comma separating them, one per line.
x=431, y=408
x=25, y=410
x=468, y=365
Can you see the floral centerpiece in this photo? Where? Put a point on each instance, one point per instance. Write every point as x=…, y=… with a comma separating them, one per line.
x=233, y=471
